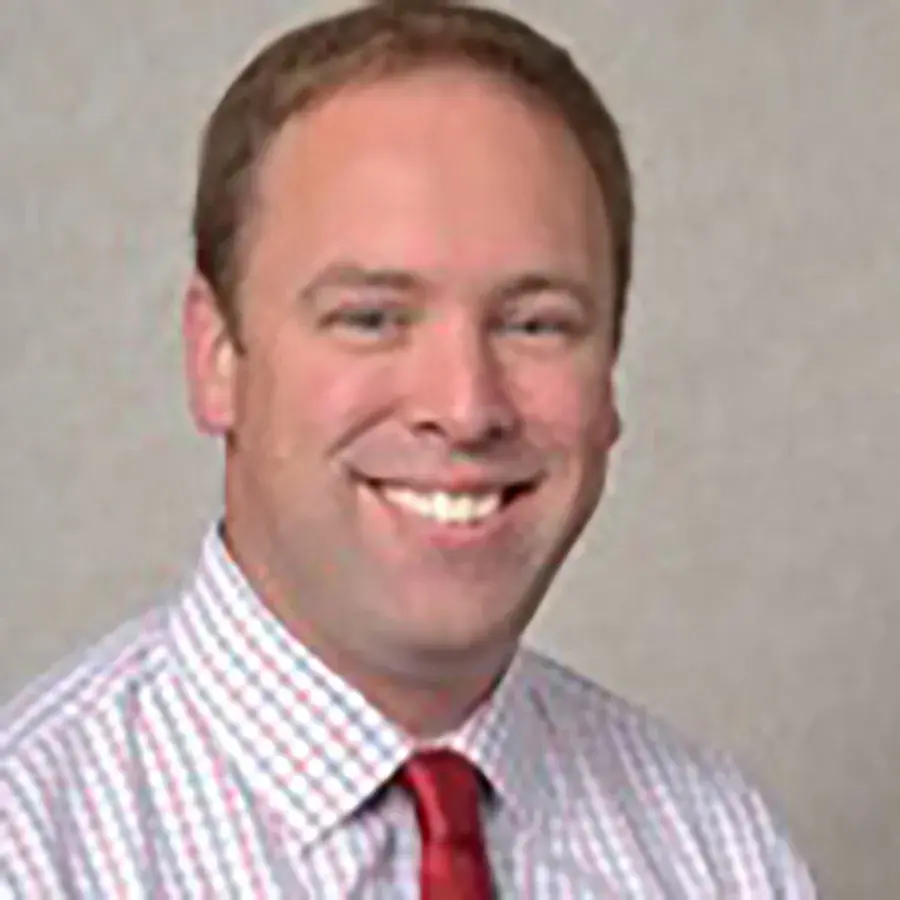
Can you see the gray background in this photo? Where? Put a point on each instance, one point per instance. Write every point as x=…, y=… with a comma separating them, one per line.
x=742, y=578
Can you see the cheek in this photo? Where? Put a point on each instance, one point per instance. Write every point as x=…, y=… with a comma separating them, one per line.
x=573, y=411
x=314, y=405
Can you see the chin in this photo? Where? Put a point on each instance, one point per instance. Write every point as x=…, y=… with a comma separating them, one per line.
x=469, y=655
x=490, y=629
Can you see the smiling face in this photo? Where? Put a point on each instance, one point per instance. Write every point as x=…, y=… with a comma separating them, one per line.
x=420, y=419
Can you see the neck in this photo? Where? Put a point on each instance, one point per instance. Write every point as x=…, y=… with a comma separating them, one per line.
x=423, y=707
x=426, y=699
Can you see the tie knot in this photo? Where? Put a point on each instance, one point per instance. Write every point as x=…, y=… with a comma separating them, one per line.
x=445, y=790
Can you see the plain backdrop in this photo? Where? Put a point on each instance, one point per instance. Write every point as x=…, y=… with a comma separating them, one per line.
x=742, y=576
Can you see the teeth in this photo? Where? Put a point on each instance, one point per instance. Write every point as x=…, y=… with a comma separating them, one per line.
x=456, y=509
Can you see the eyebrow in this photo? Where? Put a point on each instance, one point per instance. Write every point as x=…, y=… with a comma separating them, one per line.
x=351, y=275
x=529, y=283
x=355, y=276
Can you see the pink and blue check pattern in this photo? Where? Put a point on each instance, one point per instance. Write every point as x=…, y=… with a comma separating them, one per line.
x=201, y=752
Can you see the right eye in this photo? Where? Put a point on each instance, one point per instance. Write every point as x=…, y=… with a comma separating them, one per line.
x=368, y=323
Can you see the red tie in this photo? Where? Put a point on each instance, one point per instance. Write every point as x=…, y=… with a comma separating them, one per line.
x=445, y=790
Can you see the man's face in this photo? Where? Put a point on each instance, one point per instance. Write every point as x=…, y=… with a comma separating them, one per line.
x=419, y=425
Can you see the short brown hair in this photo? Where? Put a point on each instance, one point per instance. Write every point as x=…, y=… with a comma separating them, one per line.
x=380, y=39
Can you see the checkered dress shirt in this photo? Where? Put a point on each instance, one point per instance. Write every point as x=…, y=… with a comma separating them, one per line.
x=201, y=752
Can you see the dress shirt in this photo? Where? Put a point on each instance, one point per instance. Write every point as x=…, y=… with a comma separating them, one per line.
x=201, y=751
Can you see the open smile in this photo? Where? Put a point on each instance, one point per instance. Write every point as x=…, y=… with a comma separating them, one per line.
x=474, y=509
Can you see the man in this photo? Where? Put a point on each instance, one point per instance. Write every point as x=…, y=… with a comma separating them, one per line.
x=413, y=243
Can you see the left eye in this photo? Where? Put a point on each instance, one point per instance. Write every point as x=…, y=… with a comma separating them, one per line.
x=539, y=326
x=368, y=319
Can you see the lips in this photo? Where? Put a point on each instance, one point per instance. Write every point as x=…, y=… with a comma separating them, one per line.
x=454, y=507
x=444, y=507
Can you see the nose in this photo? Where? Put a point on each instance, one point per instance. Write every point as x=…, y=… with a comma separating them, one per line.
x=458, y=389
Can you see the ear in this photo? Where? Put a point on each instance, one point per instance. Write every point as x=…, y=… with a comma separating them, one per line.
x=616, y=427
x=610, y=430
x=210, y=359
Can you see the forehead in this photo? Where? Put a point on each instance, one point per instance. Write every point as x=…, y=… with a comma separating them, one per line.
x=449, y=166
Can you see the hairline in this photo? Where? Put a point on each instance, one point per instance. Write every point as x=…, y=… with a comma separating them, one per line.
x=381, y=69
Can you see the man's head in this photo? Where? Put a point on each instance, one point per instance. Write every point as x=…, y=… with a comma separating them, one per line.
x=413, y=238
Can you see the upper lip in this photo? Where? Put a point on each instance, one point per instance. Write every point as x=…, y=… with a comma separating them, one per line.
x=454, y=485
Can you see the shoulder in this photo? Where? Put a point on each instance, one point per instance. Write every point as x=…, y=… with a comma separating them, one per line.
x=693, y=803
x=601, y=724
x=66, y=742
x=93, y=689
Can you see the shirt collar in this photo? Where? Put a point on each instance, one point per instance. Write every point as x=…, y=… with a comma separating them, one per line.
x=305, y=740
